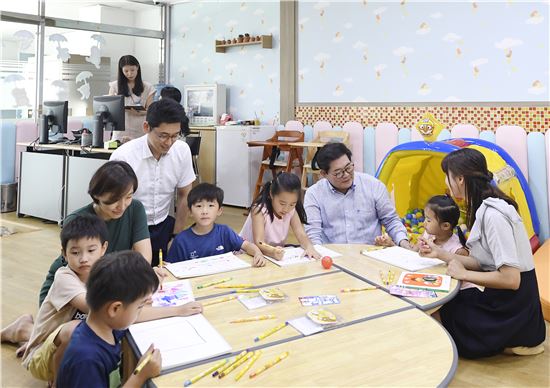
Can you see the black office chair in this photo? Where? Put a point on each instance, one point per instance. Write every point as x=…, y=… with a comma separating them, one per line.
x=194, y=142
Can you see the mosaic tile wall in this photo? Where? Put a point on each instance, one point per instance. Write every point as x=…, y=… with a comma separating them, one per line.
x=484, y=118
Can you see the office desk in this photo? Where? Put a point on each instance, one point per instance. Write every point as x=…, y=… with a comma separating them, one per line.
x=381, y=340
x=54, y=178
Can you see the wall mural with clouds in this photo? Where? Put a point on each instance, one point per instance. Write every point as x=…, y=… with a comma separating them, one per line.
x=250, y=73
x=412, y=51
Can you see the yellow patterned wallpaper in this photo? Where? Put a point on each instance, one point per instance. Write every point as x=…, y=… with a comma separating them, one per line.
x=484, y=118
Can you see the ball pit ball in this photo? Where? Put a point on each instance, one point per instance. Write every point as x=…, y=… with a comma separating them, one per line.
x=326, y=262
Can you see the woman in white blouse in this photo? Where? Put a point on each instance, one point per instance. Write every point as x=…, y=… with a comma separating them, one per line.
x=136, y=93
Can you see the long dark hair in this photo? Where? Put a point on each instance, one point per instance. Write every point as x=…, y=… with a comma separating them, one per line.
x=284, y=182
x=446, y=210
x=122, y=81
x=471, y=164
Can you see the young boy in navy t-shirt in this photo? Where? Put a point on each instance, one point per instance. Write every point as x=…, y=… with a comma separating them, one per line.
x=205, y=237
x=118, y=287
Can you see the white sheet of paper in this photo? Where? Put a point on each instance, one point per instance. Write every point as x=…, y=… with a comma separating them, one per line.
x=323, y=251
x=206, y=265
x=295, y=256
x=305, y=325
x=181, y=340
x=252, y=303
x=175, y=293
x=403, y=258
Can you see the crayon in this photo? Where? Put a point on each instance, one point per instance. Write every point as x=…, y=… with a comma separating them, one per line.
x=271, y=363
x=161, y=265
x=143, y=363
x=253, y=319
x=234, y=286
x=257, y=355
x=206, y=372
x=213, y=283
x=239, y=356
x=358, y=289
x=220, y=300
x=235, y=365
x=270, y=331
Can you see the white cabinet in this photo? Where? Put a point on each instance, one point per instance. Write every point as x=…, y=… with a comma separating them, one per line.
x=41, y=185
x=237, y=165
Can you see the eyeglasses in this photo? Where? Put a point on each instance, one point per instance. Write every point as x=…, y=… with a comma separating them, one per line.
x=348, y=169
x=165, y=136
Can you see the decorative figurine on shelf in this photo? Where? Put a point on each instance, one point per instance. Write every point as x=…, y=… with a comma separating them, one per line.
x=234, y=40
x=247, y=37
x=252, y=38
x=429, y=127
x=240, y=39
x=225, y=118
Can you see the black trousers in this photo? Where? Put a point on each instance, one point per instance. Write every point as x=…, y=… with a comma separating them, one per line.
x=160, y=236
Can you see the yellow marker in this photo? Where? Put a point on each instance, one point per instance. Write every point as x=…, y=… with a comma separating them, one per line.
x=253, y=319
x=249, y=364
x=235, y=365
x=357, y=289
x=271, y=363
x=221, y=300
x=143, y=363
x=235, y=286
x=206, y=372
x=271, y=331
x=239, y=356
x=161, y=265
x=247, y=291
x=213, y=283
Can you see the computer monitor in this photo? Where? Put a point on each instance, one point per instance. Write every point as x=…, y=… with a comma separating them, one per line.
x=54, y=120
x=108, y=115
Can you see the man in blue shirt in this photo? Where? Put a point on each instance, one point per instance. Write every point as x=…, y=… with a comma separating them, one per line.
x=206, y=238
x=349, y=207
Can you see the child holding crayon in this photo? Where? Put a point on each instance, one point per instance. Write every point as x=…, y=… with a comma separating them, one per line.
x=277, y=209
x=205, y=237
x=93, y=355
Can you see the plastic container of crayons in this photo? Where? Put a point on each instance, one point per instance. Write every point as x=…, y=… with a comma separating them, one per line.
x=273, y=295
x=324, y=317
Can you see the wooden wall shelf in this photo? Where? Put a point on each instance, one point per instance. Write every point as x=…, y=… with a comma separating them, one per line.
x=266, y=41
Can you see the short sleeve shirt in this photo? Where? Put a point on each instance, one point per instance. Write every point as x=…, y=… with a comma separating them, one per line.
x=56, y=309
x=188, y=245
x=158, y=179
x=89, y=360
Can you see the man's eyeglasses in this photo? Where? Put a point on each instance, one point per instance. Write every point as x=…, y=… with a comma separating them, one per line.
x=348, y=169
x=165, y=136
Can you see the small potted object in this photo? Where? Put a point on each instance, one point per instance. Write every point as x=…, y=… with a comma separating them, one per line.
x=253, y=39
x=258, y=38
x=234, y=40
x=247, y=37
x=240, y=39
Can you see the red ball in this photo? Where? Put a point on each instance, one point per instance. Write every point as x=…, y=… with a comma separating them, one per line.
x=326, y=262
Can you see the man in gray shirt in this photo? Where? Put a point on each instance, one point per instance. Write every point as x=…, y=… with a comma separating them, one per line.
x=349, y=207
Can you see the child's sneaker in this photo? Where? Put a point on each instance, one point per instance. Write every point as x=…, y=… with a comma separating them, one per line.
x=525, y=351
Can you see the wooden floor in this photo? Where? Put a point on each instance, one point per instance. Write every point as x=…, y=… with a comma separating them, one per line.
x=27, y=255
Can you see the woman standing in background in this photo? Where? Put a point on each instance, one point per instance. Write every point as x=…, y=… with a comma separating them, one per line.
x=136, y=93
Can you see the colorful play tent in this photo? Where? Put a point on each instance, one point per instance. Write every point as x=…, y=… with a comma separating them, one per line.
x=412, y=173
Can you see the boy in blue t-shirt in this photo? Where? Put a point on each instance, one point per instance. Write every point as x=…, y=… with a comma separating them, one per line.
x=205, y=237
x=118, y=287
